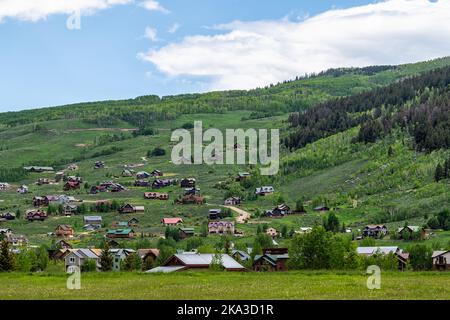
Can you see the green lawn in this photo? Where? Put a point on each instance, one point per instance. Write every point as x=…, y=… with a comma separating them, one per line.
x=227, y=285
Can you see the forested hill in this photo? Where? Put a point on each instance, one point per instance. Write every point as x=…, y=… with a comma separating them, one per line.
x=419, y=104
x=289, y=96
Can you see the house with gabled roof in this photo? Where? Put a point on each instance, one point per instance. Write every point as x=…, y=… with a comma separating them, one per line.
x=240, y=255
x=121, y=233
x=221, y=227
x=441, y=260
x=187, y=183
x=119, y=255
x=264, y=191
x=186, y=232
x=273, y=259
x=156, y=196
x=129, y=209
x=65, y=231
x=76, y=258
x=198, y=261
x=93, y=220
x=232, y=201
x=171, y=221
x=36, y=215
x=375, y=230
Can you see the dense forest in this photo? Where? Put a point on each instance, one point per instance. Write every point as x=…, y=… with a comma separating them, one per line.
x=418, y=104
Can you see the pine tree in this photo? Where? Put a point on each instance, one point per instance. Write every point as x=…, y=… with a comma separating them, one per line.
x=6, y=258
x=447, y=169
x=106, y=259
x=439, y=173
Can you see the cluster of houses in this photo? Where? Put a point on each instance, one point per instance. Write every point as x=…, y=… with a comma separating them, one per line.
x=15, y=240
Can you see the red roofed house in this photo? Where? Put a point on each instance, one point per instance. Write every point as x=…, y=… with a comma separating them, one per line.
x=171, y=221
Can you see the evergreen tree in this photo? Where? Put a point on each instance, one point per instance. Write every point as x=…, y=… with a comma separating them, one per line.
x=106, y=259
x=6, y=257
x=439, y=173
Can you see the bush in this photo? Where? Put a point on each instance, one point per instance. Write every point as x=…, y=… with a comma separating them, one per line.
x=157, y=152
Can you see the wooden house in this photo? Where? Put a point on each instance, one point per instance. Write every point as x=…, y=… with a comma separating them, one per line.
x=162, y=183
x=156, y=196
x=129, y=209
x=72, y=185
x=22, y=189
x=171, y=221
x=8, y=216
x=40, y=201
x=221, y=227
x=408, y=232
x=375, y=230
x=187, y=183
x=156, y=173
x=133, y=222
x=63, y=244
x=274, y=259
x=185, y=261
x=120, y=234
x=143, y=175
x=232, y=201
x=279, y=211
x=186, y=232
x=264, y=191
x=93, y=220
x=215, y=214
x=70, y=210
x=36, y=215
x=441, y=260
x=64, y=231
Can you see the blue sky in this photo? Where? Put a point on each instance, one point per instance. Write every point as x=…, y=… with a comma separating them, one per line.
x=219, y=44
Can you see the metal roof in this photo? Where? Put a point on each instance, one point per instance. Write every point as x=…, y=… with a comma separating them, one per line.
x=373, y=250
x=166, y=269
x=195, y=259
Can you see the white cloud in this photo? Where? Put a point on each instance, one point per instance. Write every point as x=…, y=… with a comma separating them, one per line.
x=251, y=54
x=34, y=10
x=151, y=34
x=153, y=5
x=174, y=28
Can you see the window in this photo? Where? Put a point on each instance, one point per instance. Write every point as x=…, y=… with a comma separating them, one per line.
x=72, y=260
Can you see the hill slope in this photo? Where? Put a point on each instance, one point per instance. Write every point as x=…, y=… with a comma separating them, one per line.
x=385, y=179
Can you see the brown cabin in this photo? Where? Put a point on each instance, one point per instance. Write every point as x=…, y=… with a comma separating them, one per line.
x=273, y=259
x=187, y=183
x=64, y=231
x=156, y=196
x=129, y=208
x=36, y=215
x=40, y=201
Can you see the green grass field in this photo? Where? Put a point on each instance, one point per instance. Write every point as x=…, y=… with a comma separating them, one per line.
x=228, y=285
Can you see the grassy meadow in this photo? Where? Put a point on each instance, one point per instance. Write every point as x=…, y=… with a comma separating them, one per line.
x=228, y=286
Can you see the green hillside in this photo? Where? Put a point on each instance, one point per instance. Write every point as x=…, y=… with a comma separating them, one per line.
x=388, y=180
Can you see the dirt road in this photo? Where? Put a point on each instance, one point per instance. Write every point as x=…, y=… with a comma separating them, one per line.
x=243, y=215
